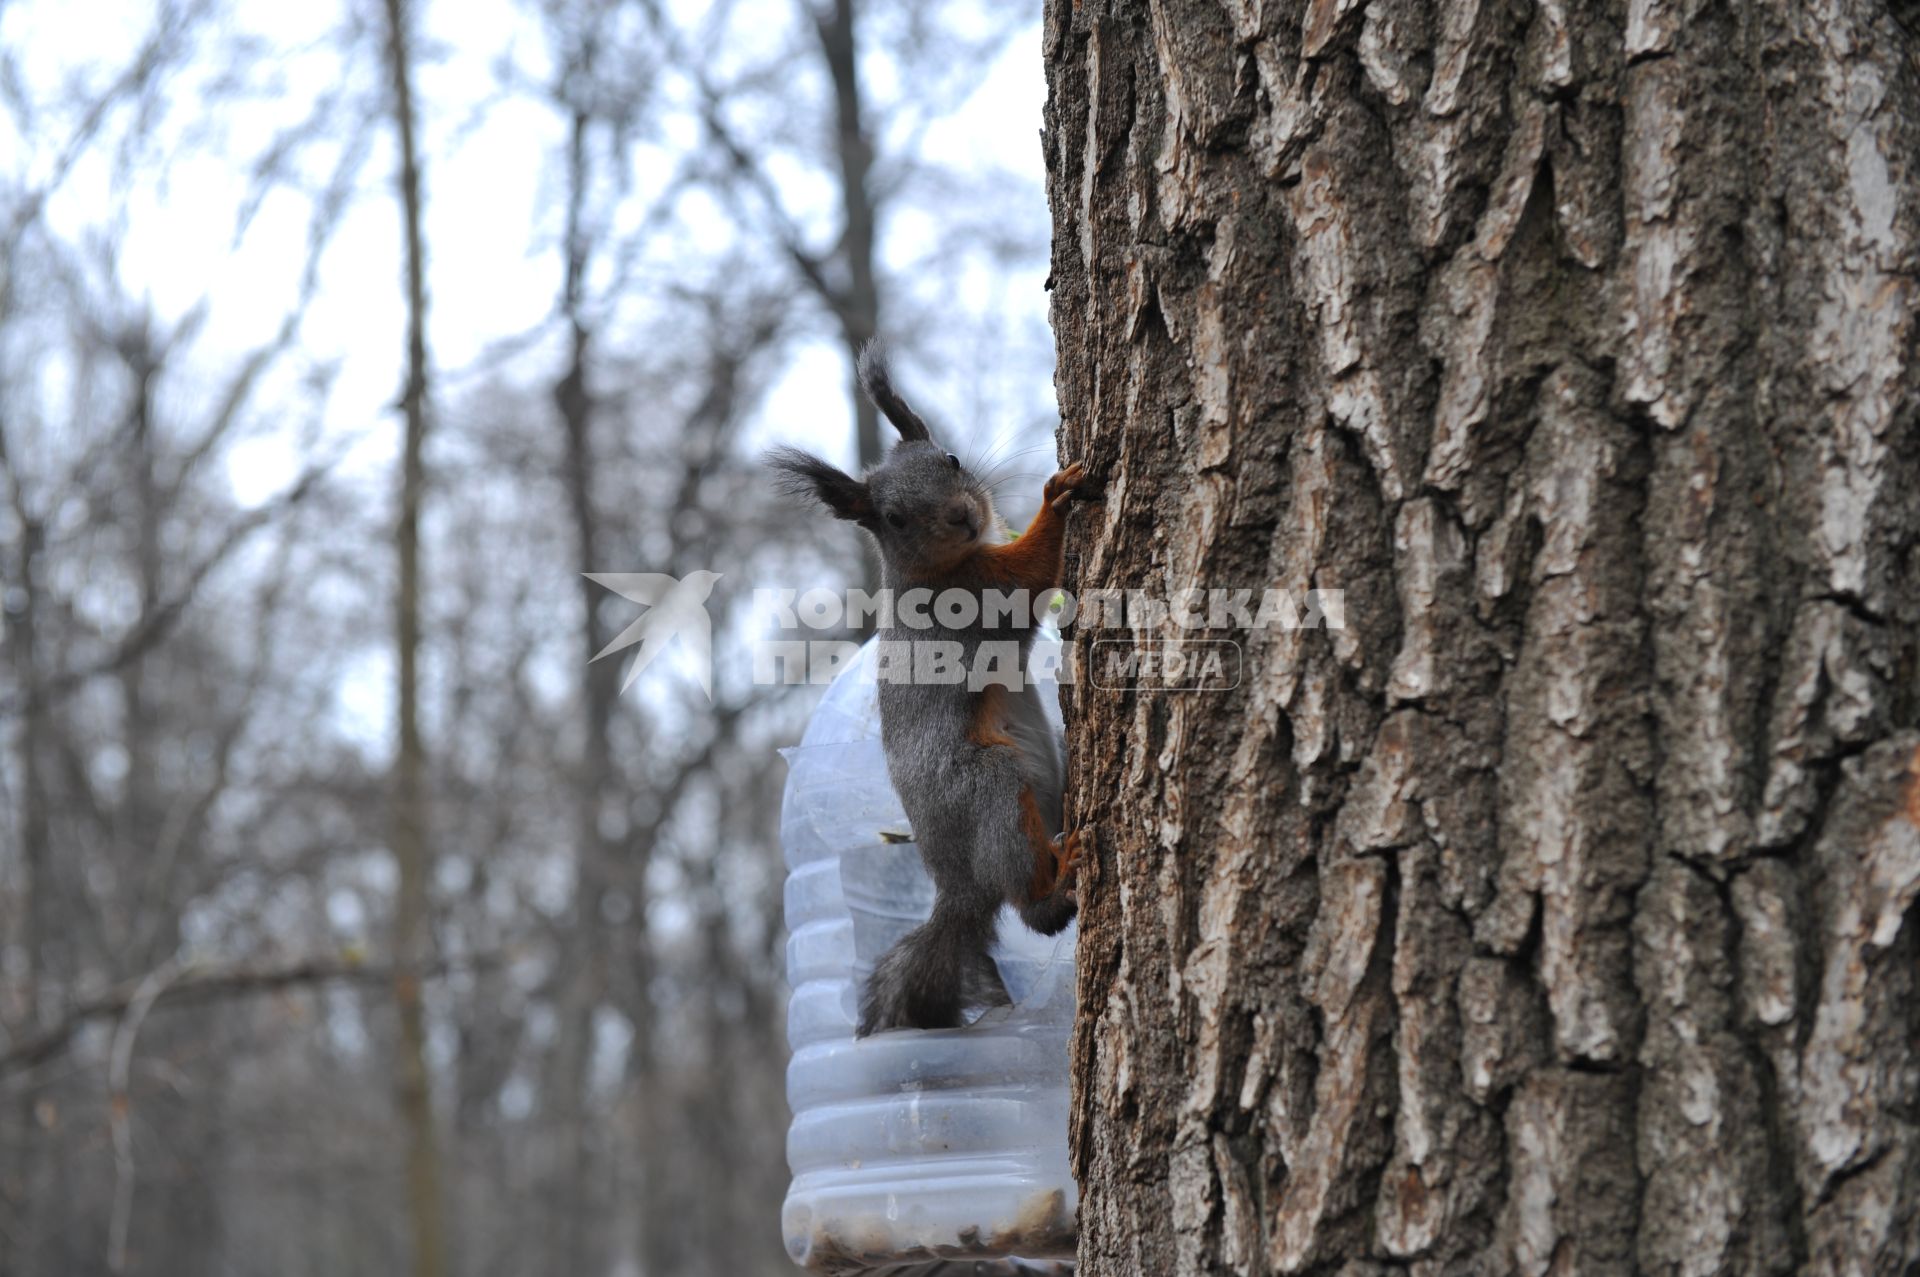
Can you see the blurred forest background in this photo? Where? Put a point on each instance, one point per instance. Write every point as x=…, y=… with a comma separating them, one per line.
x=351, y=922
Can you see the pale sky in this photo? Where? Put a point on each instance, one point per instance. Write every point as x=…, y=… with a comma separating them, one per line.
x=490, y=228
x=491, y=231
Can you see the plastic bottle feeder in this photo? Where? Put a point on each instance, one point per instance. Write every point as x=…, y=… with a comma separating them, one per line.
x=908, y=1147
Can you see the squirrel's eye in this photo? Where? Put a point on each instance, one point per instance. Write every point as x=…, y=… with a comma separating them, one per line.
x=896, y=521
x=955, y=460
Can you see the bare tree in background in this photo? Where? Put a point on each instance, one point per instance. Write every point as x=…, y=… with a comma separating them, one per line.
x=107, y=818
x=855, y=300
x=412, y=838
x=120, y=862
x=600, y=86
x=210, y=972
x=840, y=265
x=1557, y=914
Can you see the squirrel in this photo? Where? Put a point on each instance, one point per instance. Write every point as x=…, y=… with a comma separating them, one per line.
x=978, y=770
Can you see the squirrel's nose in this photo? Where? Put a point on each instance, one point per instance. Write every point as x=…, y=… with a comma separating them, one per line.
x=960, y=515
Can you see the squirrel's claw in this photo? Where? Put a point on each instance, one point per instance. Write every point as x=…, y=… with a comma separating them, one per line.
x=1066, y=860
x=1061, y=487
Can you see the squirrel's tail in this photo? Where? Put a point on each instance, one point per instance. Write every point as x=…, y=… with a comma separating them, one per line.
x=932, y=974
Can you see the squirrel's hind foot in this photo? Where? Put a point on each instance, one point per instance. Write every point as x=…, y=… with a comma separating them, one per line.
x=1054, y=902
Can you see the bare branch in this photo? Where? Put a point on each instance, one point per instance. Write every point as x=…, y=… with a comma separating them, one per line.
x=158, y=622
x=120, y=1106
x=196, y=986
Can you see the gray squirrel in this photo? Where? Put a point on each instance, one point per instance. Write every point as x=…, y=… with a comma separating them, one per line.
x=978, y=770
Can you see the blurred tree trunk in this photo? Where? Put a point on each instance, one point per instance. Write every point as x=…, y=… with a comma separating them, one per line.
x=410, y=832
x=21, y=1164
x=1556, y=915
x=597, y=797
x=858, y=305
x=137, y=817
x=855, y=298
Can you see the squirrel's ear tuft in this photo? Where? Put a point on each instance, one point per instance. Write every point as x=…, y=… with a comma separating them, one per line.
x=801, y=474
x=878, y=383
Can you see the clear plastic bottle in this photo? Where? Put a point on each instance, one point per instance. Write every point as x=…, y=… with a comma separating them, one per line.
x=910, y=1147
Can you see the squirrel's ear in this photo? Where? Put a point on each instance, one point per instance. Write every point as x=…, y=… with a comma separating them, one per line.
x=877, y=381
x=801, y=474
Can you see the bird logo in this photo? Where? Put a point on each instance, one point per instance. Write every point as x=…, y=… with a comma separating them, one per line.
x=674, y=609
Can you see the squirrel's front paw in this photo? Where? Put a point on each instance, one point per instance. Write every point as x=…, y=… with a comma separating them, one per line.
x=1060, y=488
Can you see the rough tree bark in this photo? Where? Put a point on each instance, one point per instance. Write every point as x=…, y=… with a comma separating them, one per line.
x=1557, y=915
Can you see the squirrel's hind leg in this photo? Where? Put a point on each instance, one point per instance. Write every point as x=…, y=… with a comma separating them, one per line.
x=1051, y=901
x=1018, y=852
x=1035, y=867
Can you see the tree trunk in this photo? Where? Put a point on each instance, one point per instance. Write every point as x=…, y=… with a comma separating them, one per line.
x=1556, y=915
x=27, y=1152
x=858, y=306
x=585, y=983
x=411, y=846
